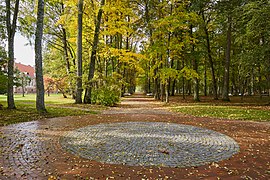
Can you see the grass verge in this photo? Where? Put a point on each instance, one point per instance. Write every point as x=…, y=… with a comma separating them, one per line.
x=229, y=112
x=56, y=105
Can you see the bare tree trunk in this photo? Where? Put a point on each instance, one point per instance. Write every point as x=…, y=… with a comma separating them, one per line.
x=87, y=97
x=23, y=81
x=205, y=80
x=196, y=86
x=78, y=98
x=166, y=93
x=156, y=85
x=210, y=60
x=40, y=105
x=67, y=60
x=260, y=80
x=183, y=81
x=225, y=90
x=11, y=30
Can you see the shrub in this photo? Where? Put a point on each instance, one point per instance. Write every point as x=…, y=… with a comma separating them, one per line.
x=3, y=83
x=107, y=96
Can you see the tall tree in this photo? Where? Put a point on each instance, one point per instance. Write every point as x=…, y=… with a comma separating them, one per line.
x=196, y=86
x=226, y=80
x=87, y=97
x=11, y=30
x=78, y=99
x=40, y=105
x=210, y=57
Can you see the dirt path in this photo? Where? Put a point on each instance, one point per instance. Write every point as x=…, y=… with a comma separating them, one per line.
x=32, y=150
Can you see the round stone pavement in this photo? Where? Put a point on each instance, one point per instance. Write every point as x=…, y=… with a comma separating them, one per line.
x=149, y=144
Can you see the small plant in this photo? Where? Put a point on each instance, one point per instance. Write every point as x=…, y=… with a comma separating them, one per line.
x=108, y=96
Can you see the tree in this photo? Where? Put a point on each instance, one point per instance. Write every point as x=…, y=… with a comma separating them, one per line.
x=58, y=39
x=196, y=95
x=209, y=53
x=79, y=53
x=226, y=8
x=40, y=105
x=11, y=25
x=226, y=43
x=3, y=55
x=254, y=40
x=226, y=79
x=87, y=97
x=3, y=77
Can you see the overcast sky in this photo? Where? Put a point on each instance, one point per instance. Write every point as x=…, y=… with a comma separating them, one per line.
x=23, y=53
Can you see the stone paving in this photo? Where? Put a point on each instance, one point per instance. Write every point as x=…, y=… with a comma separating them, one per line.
x=149, y=144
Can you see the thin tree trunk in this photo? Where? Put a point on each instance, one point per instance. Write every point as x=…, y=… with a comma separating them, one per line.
x=78, y=99
x=260, y=81
x=40, y=105
x=196, y=86
x=23, y=79
x=156, y=85
x=210, y=60
x=87, y=97
x=65, y=48
x=183, y=81
x=183, y=88
x=205, y=79
x=225, y=90
x=67, y=60
x=166, y=93
x=11, y=30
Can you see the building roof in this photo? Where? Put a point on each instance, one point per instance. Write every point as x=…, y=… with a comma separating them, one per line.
x=26, y=68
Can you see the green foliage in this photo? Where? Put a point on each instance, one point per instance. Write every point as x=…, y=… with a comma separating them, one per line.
x=2, y=23
x=107, y=95
x=3, y=83
x=3, y=74
x=157, y=42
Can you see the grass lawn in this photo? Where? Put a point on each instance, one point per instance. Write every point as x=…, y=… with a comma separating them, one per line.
x=56, y=105
x=251, y=108
x=229, y=112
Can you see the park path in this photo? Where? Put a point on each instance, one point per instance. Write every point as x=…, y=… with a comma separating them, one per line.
x=32, y=150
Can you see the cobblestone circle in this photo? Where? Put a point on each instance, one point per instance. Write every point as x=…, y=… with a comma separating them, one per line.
x=149, y=144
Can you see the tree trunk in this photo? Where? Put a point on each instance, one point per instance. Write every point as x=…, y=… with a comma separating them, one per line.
x=183, y=88
x=205, y=79
x=87, y=97
x=183, y=81
x=260, y=81
x=40, y=105
x=78, y=99
x=196, y=86
x=210, y=60
x=65, y=48
x=225, y=90
x=11, y=30
x=166, y=93
x=156, y=85
x=23, y=79
x=67, y=60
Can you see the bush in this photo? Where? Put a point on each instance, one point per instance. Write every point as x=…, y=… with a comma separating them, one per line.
x=3, y=83
x=107, y=96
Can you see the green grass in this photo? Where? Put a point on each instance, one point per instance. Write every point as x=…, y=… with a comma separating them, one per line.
x=229, y=112
x=56, y=105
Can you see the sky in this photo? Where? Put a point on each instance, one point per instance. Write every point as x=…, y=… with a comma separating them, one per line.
x=23, y=53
